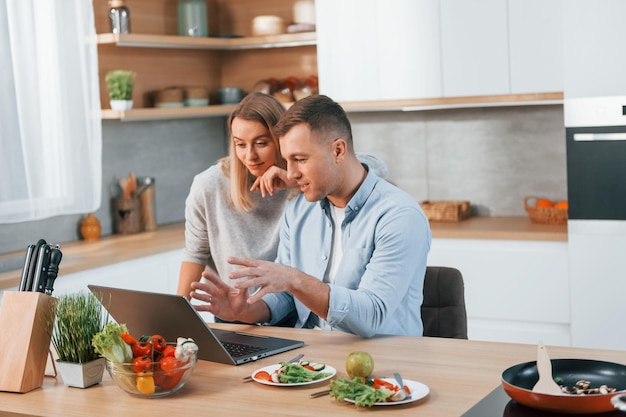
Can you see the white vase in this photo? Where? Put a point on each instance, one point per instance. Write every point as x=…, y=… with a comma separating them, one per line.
x=121, y=104
x=81, y=375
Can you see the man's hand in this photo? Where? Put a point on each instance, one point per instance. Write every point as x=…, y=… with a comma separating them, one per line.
x=275, y=178
x=270, y=277
x=273, y=277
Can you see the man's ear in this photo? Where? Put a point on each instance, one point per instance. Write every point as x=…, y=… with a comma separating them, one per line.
x=339, y=149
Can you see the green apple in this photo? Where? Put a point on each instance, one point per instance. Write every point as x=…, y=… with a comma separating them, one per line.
x=359, y=364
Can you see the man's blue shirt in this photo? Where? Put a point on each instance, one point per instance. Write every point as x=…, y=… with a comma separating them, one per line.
x=378, y=286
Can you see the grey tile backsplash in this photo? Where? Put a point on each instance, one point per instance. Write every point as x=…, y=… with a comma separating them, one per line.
x=490, y=156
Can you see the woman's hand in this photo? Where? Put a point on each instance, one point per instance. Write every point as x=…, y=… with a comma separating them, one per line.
x=275, y=178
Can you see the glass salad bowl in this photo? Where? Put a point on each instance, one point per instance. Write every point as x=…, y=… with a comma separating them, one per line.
x=159, y=379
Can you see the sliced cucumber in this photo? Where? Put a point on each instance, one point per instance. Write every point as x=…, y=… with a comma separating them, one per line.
x=318, y=366
x=304, y=363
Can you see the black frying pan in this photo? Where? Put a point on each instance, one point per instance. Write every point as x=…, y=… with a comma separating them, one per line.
x=518, y=382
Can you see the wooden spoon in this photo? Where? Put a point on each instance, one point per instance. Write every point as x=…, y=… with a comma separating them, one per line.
x=546, y=384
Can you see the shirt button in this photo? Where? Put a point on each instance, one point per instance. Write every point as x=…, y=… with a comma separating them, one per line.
x=330, y=224
x=324, y=257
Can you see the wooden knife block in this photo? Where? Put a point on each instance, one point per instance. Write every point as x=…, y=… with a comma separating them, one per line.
x=26, y=320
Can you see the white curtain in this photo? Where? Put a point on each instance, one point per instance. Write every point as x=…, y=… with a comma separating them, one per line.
x=50, y=126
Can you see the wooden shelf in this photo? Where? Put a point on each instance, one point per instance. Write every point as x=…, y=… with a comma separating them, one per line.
x=213, y=43
x=135, y=115
x=350, y=107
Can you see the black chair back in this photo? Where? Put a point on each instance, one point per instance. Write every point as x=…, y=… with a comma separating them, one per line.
x=443, y=309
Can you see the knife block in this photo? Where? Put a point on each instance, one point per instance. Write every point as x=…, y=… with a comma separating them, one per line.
x=26, y=320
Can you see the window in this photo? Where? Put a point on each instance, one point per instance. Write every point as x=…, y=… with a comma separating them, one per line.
x=50, y=127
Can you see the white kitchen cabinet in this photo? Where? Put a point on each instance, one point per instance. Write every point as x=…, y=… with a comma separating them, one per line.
x=378, y=50
x=535, y=45
x=594, y=63
x=515, y=291
x=156, y=273
x=474, y=47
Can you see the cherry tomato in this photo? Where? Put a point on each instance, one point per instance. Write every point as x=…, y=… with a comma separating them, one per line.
x=158, y=374
x=170, y=381
x=158, y=342
x=168, y=351
x=142, y=364
x=172, y=376
x=263, y=376
x=170, y=363
x=142, y=348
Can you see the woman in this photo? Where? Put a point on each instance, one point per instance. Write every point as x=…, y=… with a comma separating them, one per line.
x=232, y=207
x=222, y=216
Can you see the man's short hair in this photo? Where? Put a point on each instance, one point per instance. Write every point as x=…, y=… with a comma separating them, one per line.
x=326, y=119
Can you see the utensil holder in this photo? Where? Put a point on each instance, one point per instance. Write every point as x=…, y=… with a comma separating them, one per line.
x=146, y=196
x=127, y=215
x=26, y=320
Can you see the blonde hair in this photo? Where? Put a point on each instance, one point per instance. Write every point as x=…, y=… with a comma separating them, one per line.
x=258, y=107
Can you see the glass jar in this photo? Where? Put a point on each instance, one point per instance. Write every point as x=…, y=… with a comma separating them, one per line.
x=119, y=17
x=192, y=18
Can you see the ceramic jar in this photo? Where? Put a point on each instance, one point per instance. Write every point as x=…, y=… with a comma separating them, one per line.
x=90, y=227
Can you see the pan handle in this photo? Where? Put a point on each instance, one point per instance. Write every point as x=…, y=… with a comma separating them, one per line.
x=619, y=402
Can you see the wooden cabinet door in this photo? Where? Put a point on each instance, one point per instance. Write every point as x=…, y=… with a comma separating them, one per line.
x=378, y=50
x=474, y=47
x=536, y=45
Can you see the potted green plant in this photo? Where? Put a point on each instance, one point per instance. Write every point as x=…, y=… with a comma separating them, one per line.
x=79, y=316
x=120, y=85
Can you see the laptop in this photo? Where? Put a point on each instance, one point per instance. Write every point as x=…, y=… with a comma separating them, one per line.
x=173, y=316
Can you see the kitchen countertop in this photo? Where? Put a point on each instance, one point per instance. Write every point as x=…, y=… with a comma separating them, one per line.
x=83, y=255
x=458, y=374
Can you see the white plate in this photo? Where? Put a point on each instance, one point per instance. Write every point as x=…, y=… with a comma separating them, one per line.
x=418, y=391
x=270, y=369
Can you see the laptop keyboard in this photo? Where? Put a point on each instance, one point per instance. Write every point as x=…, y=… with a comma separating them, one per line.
x=239, y=349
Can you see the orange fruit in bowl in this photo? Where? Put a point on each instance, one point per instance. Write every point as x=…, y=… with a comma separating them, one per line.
x=561, y=205
x=544, y=202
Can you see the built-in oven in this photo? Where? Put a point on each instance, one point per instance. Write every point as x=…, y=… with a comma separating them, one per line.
x=596, y=172
x=596, y=186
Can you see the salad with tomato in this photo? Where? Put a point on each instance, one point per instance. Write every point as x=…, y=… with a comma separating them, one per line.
x=294, y=373
x=365, y=392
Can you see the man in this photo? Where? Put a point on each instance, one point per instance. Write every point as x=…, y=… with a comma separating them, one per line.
x=353, y=248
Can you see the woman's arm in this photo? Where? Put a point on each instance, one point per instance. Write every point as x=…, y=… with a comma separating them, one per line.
x=189, y=272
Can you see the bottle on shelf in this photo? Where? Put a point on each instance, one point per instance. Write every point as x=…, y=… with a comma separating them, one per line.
x=119, y=17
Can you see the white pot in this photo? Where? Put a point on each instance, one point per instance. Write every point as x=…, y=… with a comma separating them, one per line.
x=81, y=375
x=121, y=104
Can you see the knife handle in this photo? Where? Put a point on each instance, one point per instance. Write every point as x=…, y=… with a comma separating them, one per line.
x=31, y=284
x=53, y=268
x=41, y=270
x=27, y=260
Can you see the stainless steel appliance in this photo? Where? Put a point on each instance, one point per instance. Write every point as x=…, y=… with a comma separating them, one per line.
x=596, y=179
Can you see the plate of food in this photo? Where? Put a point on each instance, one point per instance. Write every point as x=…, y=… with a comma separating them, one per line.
x=377, y=391
x=294, y=374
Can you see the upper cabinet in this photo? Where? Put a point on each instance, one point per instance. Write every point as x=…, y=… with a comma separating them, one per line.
x=378, y=50
x=429, y=53
x=595, y=64
x=536, y=45
x=474, y=47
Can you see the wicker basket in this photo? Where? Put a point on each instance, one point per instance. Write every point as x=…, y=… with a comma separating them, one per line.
x=544, y=215
x=446, y=211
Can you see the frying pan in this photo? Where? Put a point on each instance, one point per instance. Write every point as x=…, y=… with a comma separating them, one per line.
x=518, y=382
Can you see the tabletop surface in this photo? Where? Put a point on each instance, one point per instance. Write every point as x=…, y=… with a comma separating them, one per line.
x=459, y=373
